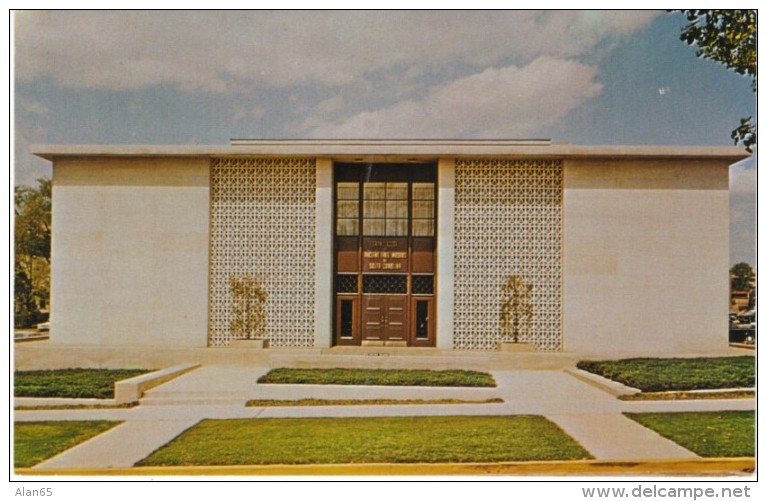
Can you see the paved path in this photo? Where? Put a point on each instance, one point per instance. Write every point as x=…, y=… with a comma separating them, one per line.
x=120, y=447
x=616, y=437
x=591, y=416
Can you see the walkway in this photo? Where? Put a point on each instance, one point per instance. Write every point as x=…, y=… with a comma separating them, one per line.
x=591, y=416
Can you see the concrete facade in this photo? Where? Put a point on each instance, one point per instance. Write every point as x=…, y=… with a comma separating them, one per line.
x=323, y=318
x=646, y=253
x=645, y=240
x=130, y=251
x=445, y=253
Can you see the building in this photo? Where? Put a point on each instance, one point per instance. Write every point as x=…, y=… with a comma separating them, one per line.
x=392, y=243
x=739, y=301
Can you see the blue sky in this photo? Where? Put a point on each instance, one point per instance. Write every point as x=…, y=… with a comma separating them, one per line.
x=585, y=77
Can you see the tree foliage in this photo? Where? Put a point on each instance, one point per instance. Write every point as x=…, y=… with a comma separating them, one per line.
x=32, y=251
x=742, y=277
x=727, y=37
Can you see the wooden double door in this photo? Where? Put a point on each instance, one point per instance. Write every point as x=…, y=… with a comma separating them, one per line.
x=384, y=318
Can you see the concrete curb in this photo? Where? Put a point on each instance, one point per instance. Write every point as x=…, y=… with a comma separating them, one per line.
x=612, y=387
x=718, y=467
x=744, y=346
x=131, y=390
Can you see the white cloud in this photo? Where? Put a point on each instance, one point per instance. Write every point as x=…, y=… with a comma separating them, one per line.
x=498, y=102
x=329, y=106
x=255, y=112
x=227, y=51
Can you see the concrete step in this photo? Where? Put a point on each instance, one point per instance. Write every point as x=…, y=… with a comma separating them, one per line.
x=209, y=397
x=200, y=394
x=195, y=401
x=409, y=358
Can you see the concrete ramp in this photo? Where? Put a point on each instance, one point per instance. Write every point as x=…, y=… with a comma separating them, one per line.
x=208, y=385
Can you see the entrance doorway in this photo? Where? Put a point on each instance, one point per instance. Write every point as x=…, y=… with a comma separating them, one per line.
x=385, y=240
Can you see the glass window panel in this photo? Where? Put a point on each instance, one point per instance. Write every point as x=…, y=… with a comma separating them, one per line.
x=396, y=208
x=374, y=191
x=375, y=209
x=374, y=227
x=423, y=227
x=348, y=191
x=423, y=191
x=423, y=210
x=396, y=191
x=396, y=227
x=347, y=316
x=421, y=319
x=347, y=208
x=347, y=227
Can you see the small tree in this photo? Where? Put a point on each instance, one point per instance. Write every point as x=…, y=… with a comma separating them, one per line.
x=742, y=277
x=516, y=308
x=249, y=307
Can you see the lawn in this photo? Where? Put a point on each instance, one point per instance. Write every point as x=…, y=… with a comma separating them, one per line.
x=707, y=434
x=71, y=383
x=382, y=377
x=677, y=374
x=38, y=441
x=422, y=439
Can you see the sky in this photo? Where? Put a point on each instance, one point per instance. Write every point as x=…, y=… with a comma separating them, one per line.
x=205, y=77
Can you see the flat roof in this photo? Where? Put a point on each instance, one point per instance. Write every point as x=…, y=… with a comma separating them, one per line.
x=401, y=150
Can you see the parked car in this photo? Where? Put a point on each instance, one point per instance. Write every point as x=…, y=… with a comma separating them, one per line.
x=747, y=320
x=743, y=327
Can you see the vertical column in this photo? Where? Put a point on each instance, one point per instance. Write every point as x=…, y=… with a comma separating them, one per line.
x=445, y=252
x=323, y=294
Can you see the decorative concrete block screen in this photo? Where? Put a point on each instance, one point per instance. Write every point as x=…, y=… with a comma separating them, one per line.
x=508, y=222
x=263, y=226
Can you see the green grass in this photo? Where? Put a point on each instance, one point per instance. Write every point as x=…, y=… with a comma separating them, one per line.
x=677, y=374
x=430, y=439
x=71, y=383
x=38, y=441
x=383, y=377
x=309, y=402
x=707, y=434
